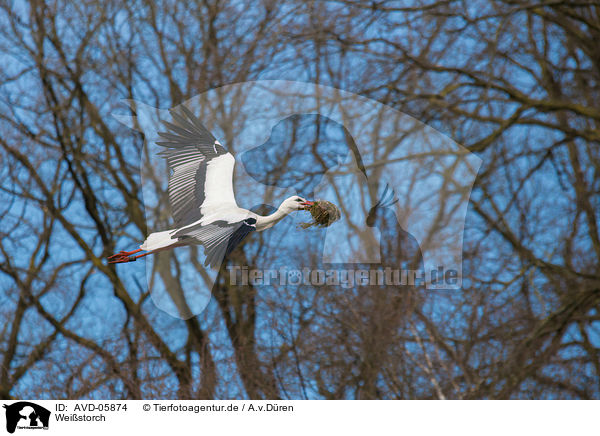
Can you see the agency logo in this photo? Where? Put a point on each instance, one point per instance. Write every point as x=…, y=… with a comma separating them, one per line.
x=26, y=416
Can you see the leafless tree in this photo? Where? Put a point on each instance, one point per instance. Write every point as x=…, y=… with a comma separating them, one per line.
x=516, y=82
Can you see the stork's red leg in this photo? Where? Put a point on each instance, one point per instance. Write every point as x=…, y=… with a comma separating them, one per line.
x=124, y=253
x=141, y=255
x=125, y=256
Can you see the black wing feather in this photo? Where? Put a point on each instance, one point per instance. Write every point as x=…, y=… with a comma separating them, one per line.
x=189, y=148
x=219, y=238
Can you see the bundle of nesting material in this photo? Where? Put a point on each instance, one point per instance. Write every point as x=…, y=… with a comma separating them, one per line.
x=323, y=212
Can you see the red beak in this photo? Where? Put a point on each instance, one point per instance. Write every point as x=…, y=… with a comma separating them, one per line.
x=307, y=204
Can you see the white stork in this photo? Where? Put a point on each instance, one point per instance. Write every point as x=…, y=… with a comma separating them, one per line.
x=201, y=195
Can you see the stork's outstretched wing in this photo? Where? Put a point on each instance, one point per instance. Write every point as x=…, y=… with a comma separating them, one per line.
x=219, y=237
x=201, y=187
x=202, y=170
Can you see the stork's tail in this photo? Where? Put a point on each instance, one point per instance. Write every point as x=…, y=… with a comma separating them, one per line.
x=158, y=240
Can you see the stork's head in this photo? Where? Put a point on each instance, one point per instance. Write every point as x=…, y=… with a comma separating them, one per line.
x=295, y=203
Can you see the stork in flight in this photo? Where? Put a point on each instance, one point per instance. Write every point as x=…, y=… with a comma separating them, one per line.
x=201, y=196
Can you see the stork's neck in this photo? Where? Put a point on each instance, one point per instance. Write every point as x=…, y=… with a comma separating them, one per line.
x=266, y=222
